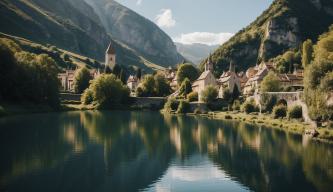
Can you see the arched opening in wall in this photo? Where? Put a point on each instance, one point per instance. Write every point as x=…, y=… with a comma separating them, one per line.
x=282, y=102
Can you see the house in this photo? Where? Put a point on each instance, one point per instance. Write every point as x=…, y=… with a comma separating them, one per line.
x=132, y=83
x=229, y=80
x=206, y=78
x=253, y=83
x=67, y=79
x=110, y=57
x=294, y=80
x=171, y=76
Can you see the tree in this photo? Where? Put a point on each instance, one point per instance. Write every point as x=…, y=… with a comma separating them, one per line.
x=148, y=86
x=81, y=80
x=209, y=94
x=267, y=102
x=307, y=51
x=162, y=87
x=116, y=70
x=122, y=76
x=187, y=71
x=138, y=73
x=108, y=91
x=270, y=83
x=107, y=70
x=185, y=87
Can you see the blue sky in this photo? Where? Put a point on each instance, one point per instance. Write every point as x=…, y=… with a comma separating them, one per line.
x=199, y=21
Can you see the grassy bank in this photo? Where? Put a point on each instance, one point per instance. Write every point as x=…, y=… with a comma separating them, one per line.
x=290, y=125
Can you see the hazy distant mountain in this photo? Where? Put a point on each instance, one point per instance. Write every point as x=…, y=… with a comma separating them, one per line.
x=283, y=26
x=195, y=52
x=77, y=26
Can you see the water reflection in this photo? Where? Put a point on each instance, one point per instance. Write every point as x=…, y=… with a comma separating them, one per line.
x=144, y=151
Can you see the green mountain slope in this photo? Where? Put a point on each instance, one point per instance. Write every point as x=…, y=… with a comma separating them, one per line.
x=283, y=26
x=71, y=25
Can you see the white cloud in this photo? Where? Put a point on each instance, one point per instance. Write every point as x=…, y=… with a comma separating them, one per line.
x=138, y=2
x=204, y=38
x=165, y=19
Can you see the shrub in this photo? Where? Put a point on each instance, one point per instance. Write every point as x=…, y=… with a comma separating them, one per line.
x=185, y=87
x=236, y=105
x=295, y=112
x=267, y=102
x=81, y=80
x=171, y=105
x=108, y=90
x=183, y=107
x=209, y=94
x=193, y=96
x=249, y=107
x=279, y=111
x=87, y=97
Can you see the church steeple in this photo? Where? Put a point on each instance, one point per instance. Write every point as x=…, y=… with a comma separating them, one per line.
x=209, y=66
x=232, y=67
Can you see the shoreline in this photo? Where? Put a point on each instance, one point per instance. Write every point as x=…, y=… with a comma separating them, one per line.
x=288, y=125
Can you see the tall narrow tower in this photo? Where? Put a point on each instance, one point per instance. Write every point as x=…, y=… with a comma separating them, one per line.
x=209, y=66
x=232, y=67
x=110, y=57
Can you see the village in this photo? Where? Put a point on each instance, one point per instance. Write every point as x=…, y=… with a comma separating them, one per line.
x=245, y=83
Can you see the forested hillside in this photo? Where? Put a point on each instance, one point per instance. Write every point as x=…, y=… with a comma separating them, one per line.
x=283, y=26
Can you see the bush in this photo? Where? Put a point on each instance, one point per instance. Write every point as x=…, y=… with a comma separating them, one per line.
x=236, y=105
x=279, y=111
x=267, y=102
x=183, y=107
x=295, y=112
x=193, y=96
x=108, y=90
x=249, y=107
x=209, y=94
x=171, y=105
x=87, y=97
x=185, y=87
x=81, y=80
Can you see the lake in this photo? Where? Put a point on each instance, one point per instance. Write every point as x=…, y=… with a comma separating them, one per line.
x=147, y=151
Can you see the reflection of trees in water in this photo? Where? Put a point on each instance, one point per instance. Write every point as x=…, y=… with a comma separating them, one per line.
x=31, y=144
x=268, y=160
x=128, y=151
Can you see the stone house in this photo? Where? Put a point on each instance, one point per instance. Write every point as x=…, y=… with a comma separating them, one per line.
x=206, y=78
x=67, y=79
x=253, y=83
x=229, y=80
x=132, y=83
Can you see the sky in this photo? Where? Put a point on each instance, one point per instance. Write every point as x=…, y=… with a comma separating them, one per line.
x=209, y=22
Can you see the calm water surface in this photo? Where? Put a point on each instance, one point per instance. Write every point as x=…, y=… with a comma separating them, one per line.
x=147, y=151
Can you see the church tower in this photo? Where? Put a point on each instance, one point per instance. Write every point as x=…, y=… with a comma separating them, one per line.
x=232, y=67
x=110, y=57
x=209, y=65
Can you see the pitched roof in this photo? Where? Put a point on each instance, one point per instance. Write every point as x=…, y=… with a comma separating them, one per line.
x=110, y=49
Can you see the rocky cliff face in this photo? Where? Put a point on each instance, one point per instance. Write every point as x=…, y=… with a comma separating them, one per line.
x=136, y=31
x=285, y=25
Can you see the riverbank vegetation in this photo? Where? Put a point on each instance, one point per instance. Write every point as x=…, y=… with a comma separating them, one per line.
x=27, y=78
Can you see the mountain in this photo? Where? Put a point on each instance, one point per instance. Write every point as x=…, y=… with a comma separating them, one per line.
x=74, y=25
x=137, y=32
x=195, y=52
x=283, y=26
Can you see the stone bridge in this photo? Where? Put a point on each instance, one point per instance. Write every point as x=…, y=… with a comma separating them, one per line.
x=290, y=99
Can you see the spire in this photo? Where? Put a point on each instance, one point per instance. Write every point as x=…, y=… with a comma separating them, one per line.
x=232, y=67
x=110, y=49
x=209, y=65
